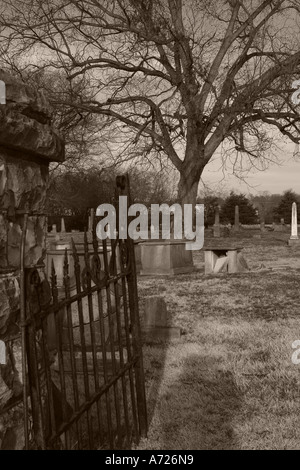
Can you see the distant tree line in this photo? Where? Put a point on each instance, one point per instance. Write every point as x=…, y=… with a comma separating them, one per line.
x=73, y=192
x=265, y=207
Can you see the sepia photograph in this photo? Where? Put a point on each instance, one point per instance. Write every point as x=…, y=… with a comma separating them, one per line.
x=149, y=237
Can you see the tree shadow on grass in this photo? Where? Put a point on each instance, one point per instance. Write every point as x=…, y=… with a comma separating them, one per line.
x=197, y=410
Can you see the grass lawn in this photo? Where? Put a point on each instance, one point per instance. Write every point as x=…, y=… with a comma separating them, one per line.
x=229, y=382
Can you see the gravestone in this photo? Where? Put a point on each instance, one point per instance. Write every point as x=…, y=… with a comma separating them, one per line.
x=216, y=228
x=262, y=221
x=155, y=311
x=294, y=239
x=63, y=226
x=236, y=226
x=154, y=326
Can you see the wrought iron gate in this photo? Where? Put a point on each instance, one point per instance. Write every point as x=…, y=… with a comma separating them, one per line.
x=83, y=348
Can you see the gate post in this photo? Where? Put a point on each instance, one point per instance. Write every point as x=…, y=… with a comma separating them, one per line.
x=28, y=143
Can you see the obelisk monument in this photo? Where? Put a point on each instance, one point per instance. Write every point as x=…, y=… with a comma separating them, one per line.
x=216, y=228
x=294, y=239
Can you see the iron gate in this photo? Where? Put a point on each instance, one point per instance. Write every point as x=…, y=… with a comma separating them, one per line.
x=83, y=348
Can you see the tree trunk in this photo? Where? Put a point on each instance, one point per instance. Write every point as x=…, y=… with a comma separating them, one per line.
x=187, y=190
x=188, y=186
x=190, y=178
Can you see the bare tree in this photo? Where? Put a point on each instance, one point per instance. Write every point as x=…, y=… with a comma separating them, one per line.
x=175, y=78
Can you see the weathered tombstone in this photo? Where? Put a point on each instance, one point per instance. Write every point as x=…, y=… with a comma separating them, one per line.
x=236, y=218
x=216, y=228
x=262, y=222
x=294, y=239
x=54, y=229
x=280, y=227
x=63, y=226
x=155, y=311
x=236, y=226
x=155, y=326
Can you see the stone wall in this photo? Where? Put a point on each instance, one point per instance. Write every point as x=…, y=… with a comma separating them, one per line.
x=28, y=143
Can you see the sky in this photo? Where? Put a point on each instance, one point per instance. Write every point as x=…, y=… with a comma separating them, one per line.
x=275, y=179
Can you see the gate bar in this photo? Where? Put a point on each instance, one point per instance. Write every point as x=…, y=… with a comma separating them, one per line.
x=22, y=326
